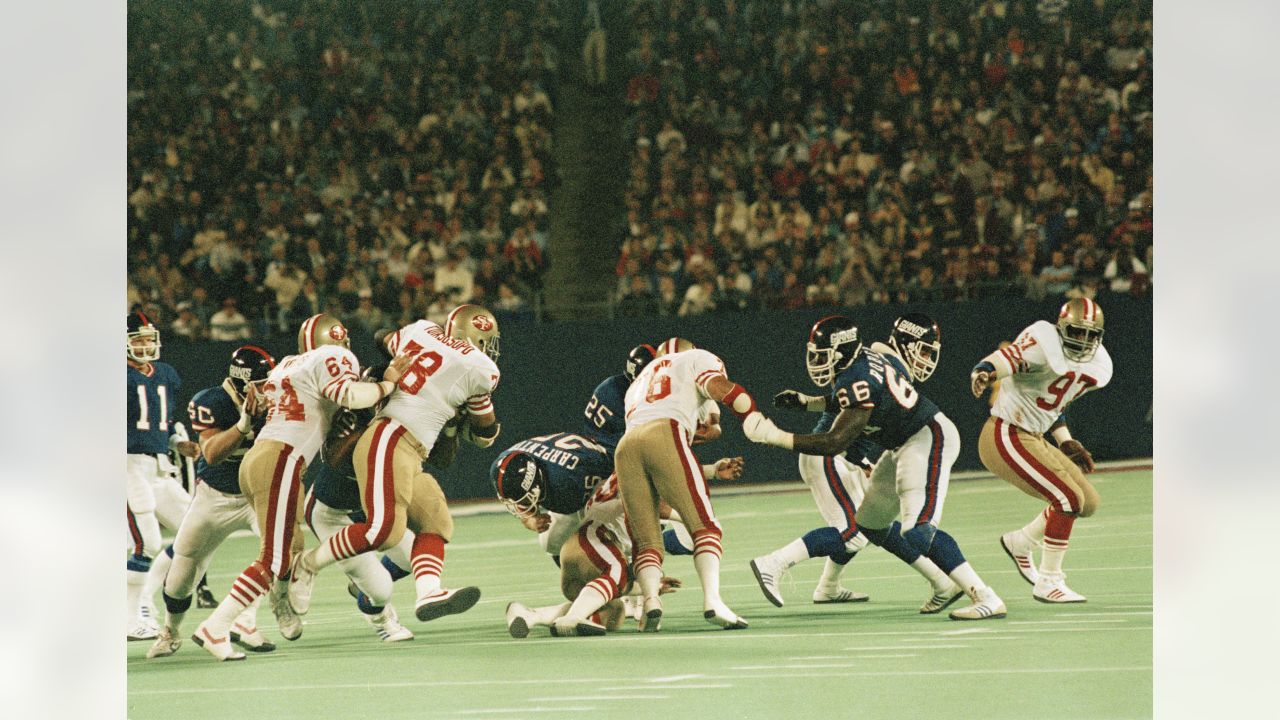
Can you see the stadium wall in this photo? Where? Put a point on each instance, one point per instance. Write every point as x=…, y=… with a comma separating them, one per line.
x=550, y=370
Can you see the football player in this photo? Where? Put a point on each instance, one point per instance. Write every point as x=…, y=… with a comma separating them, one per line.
x=654, y=462
x=303, y=392
x=908, y=486
x=153, y=493
x=226, y=417
x=839, y=482
x=452, y=366
x=594, y=567
x=1040, y=374
x=604, y=421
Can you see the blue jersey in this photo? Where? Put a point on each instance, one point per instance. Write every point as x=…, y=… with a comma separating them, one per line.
x=606, y=413
x=337, y=490
x=152, y=404
x=213, y=409
x=574, y=466
x=881, y=383
x=863, y=451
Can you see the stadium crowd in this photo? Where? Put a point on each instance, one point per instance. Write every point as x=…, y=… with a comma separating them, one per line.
x=790, y=154
x=380, y=161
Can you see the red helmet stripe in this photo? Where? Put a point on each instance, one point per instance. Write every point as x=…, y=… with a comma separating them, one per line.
x=502, y=471
x=308, y=327
x=270, y=360
x=814, y=329
x=145, y=320
x=1088, y=309
x=448, y=324
x=649, y=347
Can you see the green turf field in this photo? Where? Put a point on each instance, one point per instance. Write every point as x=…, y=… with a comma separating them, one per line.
x=868, y=660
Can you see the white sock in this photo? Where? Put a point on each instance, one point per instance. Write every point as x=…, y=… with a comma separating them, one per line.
x=708, y=566
x=589, y=600
x=649, y=578
x=549, y=614
x=967, y=578
x=794, y=552
x=830, y=579
x=155, y=578
x=931, y=572
x=249, y=618
x=135, y=580
x=1034, y=530
x=1054, y=551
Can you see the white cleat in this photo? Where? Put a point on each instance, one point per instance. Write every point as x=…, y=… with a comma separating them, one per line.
x=989, y=606
x=289, y=622
x=632, y=605
x=387, y=625
x=768, y=571
x=144, y=630
x=250, y=638
x=1052, y=588
x=566, y=626
x=651, y=615
x=1019, y=548
x=446, y=602
x=941, y=600
x=720, y=615
x=165, y=645
x=219, y=647
x=303, y=581
x=839, y=595
x=519, y=619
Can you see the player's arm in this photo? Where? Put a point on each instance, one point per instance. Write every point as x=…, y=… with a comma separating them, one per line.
x=217, y=443
x=1072, y=448
x=354, y=394
x=797, y=400
x=708, y=431
x=724, y=469
x=846, y=429
x=757, y=427
x=481, y=426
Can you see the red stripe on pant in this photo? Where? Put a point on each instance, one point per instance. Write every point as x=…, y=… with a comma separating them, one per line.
x=385, y=483
x=842, y=497
x=1015, y=446
x=311, y=506
x=931, y=480
x=273, y=555
x=611, y=570
x=704, y=513
x=138, y=545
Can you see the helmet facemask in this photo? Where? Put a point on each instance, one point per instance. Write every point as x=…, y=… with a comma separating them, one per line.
x=529, y=479
x=821, y=364
x=1079, y=341
x=920, y=357
x=143, y=344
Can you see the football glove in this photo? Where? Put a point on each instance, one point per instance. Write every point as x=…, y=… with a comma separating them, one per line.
x=1077, y=454
x=760, y=429
x=793, y=399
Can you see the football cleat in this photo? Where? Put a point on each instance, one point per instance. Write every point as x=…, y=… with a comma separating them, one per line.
x=289, y=622
x=219, y=647
x=1018, y=547
x=632, y=605
x=651, y=617
x=941, y=600
x=205, y=598
x=839, y=595
x=250, y=638
x=387, y=625
x=566, y=626
x=768, y=571
x=989, y=606
x=1052, y=588
x=720, y=615
x=165, y=645
x=303, y=582
x=145, y=629
x=446, y=602
x=519, y=618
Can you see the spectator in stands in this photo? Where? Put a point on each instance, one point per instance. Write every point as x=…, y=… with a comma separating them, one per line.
x=187, y=325
x=228, y=324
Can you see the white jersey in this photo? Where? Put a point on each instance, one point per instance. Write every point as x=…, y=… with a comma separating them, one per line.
x=1044, y=381
x=604, y=509
x=673, y=387
x=447, y=374
x=303, y=391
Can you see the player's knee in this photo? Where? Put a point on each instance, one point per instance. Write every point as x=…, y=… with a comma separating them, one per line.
x=571, y=586
x=920, y=538
x=1089, y=505
x=393, y=537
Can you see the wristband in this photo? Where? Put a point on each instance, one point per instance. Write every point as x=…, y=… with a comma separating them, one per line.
x=984, y=366
x=1061, y=434
x=739, y=401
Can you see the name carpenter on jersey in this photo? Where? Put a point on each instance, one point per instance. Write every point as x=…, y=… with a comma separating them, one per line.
x=563, y=458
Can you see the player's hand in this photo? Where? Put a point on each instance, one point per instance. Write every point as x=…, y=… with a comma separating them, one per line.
x=254, y=404
x=706, y=432
x=344, y=423
x=538, y=523
x=792, y=399
x=397, y=367
x=760, y=429
x=1077, y=454
x=669, y=585
x=729, y=468
x=187, y=448
x=979, y=381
